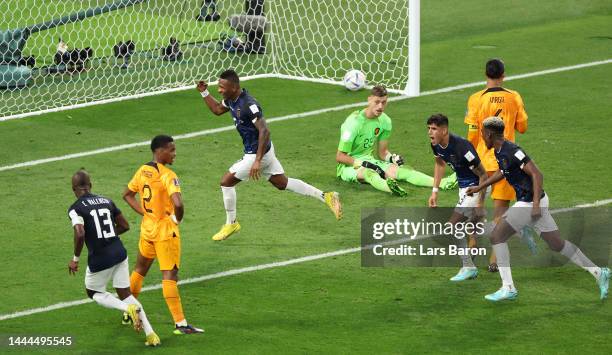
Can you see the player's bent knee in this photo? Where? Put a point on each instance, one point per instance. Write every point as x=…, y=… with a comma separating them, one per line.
x=229, y=180
x=554, y=241
x=279, y=181
x=279, y=186
x=123, y=293
x=170, y=274
x=503, y=230
x=90, y=293
x=392, y=171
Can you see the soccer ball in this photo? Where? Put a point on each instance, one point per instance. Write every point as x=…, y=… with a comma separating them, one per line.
x=354, y=80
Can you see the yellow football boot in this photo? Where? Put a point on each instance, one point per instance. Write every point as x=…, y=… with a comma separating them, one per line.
x=134, y=312
x=226, y=231
x=332, y=200
x=152, y=340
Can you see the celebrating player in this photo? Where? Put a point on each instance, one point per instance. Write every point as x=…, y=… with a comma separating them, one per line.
x=359, y=134
x=97, y=222
x=494, y=100
x=161, y=206
x=259, y=157
x=461, y=156
x=531, y=209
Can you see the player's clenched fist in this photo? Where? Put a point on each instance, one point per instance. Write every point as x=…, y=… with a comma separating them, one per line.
x=202, y=86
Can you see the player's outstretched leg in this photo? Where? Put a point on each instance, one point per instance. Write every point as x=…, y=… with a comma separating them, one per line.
x=136, y=280
x=107, y=300
x=418, y=178
x=331, y=199
x=387, y=185
x=152, y=339
x=572, y=252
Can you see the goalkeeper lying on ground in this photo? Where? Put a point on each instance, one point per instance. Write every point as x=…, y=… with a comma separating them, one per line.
x=359, y=134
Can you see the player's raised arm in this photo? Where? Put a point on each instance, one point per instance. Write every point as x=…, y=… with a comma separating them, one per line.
x=214, y=106
x=130, y=197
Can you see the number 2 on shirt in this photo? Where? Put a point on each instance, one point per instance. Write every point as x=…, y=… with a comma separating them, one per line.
x=147, y=195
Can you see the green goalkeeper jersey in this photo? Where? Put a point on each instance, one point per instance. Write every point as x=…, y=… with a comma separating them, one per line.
x=359, y=134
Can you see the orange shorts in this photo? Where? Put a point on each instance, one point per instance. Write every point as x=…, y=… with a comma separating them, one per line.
x=502, y=190
x=167, y=252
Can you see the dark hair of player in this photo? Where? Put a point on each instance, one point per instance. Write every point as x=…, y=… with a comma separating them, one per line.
x=81, y=180
x=438, y=119
x=495, y=125
x=494, y=68
x=231, y=76
x=379, y=91
x=160, y=141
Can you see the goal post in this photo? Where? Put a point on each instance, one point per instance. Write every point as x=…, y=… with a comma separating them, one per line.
x=146, y=47
x=413, y=85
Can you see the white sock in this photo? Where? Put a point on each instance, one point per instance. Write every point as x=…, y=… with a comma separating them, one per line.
x=182, y=323
x=503, y=264
x=229, y=201
x=143, y=316
x=466, y=260
x=574, y=253
x=107, y=300
x=302, y=188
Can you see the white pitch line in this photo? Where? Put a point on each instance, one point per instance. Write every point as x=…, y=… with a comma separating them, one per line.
x=294, y=116
x=118, y=99
x=251, y=269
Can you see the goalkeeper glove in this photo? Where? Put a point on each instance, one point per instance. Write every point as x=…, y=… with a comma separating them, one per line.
x=395, y=159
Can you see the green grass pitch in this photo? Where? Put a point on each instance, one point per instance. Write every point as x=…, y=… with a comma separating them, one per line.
x=331, y=305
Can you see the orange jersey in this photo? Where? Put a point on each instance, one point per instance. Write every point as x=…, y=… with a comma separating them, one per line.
x=500, y=102
x=155, y=183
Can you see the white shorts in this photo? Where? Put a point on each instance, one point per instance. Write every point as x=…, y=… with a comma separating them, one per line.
x=96, y=281
x=269, y=165
x=466, y=203
x=519, y=216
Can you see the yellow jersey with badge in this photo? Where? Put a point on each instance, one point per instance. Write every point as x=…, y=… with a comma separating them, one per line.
x=155, y=183
x=500, y=102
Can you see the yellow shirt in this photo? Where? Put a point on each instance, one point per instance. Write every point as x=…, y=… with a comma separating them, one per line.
x=500, y=102
x=155, y=183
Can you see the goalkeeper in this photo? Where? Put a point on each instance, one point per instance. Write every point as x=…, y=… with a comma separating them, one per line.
x=359, y=134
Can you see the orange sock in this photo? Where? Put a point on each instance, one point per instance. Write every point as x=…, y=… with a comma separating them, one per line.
x=173, y=300
x=136, y=283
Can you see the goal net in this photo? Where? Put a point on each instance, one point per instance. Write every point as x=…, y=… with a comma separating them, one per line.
x=61, y=53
